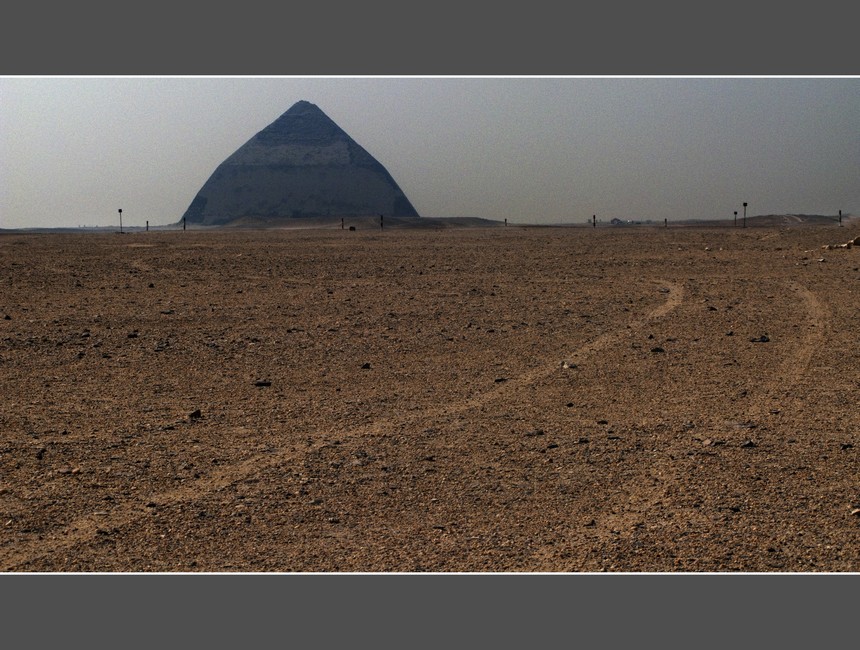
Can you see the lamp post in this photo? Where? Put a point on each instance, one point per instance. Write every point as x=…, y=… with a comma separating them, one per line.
x=736, y=218
x=745, y=214
x=120, y=220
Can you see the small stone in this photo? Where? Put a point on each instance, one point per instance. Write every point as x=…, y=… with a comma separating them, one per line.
x=500, y=380
x=535, y=432
x=195, y=415
x=365, y=366
x=748, y=444
x=262, y=382
x=657, y=350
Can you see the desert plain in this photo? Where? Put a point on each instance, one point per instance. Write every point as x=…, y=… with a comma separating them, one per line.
x=506, y=399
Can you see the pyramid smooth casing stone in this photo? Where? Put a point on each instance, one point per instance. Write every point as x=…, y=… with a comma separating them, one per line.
x=301, y=165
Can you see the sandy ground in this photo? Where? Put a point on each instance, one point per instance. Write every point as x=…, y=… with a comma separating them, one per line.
x=467, y=400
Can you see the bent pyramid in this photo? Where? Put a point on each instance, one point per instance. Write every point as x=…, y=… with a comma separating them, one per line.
x=301, y=165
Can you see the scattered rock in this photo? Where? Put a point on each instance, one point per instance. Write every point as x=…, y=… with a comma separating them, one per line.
x=535, y=432
x=761, y=339
x=657, y=349
x=195, y=415
x=365, y=366
x=748, y=444
x=500, y=380
x=262, y=382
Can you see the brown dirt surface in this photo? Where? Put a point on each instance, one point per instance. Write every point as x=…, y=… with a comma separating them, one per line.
x=462, y=400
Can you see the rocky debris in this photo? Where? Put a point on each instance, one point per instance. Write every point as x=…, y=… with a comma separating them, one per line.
x=761, y=339
x=519, y=501
x=849, y=244
x=262, y=382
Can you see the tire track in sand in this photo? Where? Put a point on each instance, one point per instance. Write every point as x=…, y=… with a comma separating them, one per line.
x=642, y=498
x=87, y=527
x=797, y=360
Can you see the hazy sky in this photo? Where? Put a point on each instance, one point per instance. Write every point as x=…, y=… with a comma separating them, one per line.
x=73, y=150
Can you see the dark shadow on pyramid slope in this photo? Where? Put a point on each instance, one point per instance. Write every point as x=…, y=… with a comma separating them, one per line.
x=301, y=165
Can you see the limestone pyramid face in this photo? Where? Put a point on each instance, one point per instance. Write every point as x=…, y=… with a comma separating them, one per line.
x=301, y=165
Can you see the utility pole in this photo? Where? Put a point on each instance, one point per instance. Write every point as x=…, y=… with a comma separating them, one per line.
x=745, y=214
x=736, y=218
x=594, y=221
x=120, y=221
